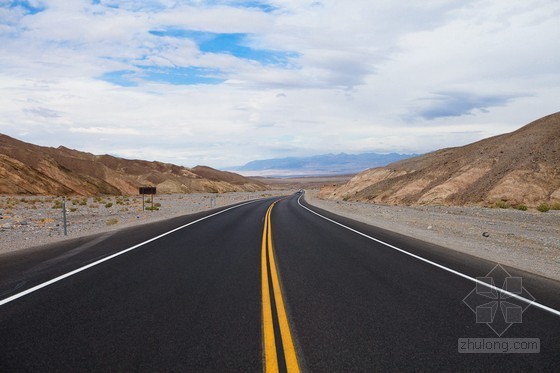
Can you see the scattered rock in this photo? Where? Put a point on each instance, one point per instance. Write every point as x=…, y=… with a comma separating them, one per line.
x=7, y=226
x=485, y=234
x=429, y=227
x=41, y=219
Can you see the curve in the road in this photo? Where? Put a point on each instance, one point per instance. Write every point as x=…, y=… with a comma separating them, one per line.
x=450, y=270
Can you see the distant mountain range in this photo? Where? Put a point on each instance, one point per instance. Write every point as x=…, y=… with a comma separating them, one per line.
x=326, y=164
x=514, y=169
x=30, y=169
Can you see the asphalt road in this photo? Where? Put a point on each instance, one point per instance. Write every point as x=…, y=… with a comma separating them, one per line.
x=255, y=287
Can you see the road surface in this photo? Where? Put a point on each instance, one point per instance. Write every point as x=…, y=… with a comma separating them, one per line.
x=273, y=284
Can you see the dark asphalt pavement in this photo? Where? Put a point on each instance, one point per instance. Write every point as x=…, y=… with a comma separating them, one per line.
x=190, y=301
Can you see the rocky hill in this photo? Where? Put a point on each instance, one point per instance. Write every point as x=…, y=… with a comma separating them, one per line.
x=31, y=169
x=518, y=167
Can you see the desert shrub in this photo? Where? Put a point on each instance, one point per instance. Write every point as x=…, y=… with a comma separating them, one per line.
x=28, y=201
x=108, y=205
x=83, y=202
x=521, y=207
x=157, y=204
x=10, y=203
x=97, y=199
x=543, y=207
x=57, y=204
x=93, y=206
x=45, y=221
x=502, y=204
x=112, y=221
x=150, y=208
x=555, y=206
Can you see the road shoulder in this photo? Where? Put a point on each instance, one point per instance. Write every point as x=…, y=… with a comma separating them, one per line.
x=529, y=241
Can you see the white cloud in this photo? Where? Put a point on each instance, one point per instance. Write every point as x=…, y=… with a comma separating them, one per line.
x=104, y=131
x=361, y=76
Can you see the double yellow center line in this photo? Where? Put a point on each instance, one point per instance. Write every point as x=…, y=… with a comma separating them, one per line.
x=268, y=268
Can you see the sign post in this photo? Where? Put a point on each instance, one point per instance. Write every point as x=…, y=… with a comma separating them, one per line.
x=64, y=215
x=147, y=190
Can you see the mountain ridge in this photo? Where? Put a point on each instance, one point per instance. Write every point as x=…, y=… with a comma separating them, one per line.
x=36, y=170
x=323, y=164
x=521, y=167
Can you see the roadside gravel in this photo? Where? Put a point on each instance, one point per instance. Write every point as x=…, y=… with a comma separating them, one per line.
x=33, y=221
x=528, y=240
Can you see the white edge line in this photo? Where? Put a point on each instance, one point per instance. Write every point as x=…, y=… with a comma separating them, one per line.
x=513, y=295
x=66, y=275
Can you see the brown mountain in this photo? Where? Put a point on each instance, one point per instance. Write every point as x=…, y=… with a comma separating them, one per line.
x=31, y=169
x=518, y=167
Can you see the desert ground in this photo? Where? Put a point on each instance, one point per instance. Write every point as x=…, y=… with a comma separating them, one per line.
x=528, y=240
x=310, y=182
x=32, y=221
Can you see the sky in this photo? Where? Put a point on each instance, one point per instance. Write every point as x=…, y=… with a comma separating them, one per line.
x=225, y=82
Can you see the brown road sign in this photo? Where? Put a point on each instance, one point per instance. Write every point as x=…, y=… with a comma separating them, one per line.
x=147, y=190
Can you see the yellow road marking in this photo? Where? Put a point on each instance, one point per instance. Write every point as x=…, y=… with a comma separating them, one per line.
x=290, y=357
x=270, y=359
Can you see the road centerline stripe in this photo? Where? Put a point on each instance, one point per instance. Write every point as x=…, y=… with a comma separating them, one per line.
x=290, y=356
x=81, y=269
x=270, y=358
x=450, y=270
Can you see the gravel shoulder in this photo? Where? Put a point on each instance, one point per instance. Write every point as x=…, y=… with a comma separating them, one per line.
x=526, y=240
x=33, y=221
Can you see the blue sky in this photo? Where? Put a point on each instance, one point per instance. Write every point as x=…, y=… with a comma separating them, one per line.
x=224, y=82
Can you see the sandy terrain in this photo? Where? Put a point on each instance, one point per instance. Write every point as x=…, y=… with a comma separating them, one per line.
x=522, y=239
x=310, y=182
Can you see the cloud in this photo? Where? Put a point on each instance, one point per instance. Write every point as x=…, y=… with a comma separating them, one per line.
x=235, y=44
x=104, y=131
x=456, y=104
x=42, y=112
x=224, y=82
